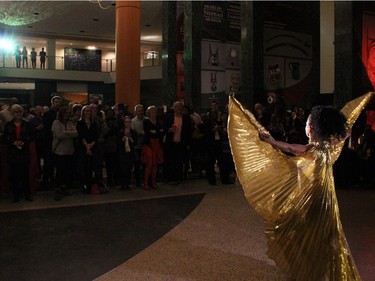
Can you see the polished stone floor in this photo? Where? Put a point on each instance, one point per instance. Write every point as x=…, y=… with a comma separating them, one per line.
x=188, y=232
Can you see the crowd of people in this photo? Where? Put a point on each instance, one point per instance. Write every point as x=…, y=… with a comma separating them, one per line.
x=97, y=146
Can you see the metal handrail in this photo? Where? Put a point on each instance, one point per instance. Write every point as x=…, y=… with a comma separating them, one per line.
x=60, y=63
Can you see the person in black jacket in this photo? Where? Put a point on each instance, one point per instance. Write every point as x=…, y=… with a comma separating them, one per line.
x=48, y=162
x=179, y=130
x=18, y=134
x=88, y=134
x=127, y=153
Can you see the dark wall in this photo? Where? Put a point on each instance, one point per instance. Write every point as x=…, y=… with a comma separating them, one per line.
x=107, y=90
x=151, y=92
x=43, y=92
x=23, y=96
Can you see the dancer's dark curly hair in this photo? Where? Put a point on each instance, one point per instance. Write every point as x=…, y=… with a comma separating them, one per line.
x=327, y=123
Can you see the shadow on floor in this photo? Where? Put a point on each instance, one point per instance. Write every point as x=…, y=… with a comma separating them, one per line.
x=84, y=242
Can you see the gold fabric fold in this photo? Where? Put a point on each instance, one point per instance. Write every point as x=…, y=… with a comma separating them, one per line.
x=295, y=195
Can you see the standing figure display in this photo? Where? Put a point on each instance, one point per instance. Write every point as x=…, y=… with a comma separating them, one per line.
x=25, y=60
x=295, y=195
x=17, y=54
x=42, y=57
x=33, y=55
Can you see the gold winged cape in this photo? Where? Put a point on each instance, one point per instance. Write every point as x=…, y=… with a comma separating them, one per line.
x=295, y=195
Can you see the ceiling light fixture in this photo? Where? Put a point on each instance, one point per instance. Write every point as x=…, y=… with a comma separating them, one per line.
x=17, y=13
x=100, y=3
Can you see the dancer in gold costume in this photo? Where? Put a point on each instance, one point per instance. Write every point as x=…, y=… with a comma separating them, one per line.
x=295, y=195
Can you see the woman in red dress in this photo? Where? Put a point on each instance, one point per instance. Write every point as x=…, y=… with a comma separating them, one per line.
x=152, y=152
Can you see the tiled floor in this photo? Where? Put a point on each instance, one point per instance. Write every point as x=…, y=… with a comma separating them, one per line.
x=187, y=232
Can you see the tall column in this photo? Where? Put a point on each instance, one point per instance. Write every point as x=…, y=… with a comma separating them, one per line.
x=247, y=61
x=128, y=48
x=192, y=53
x=51, y=54
x=351, y=80
x=169, y=64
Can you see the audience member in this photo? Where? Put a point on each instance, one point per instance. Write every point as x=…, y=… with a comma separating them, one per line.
x=27, y=115
x=88, y=134
x=127, y=152
x=18, y=135
x=198, y=145
x=262, y=114
x=110, y=146
x=152, y=152
x=178, y=130
x=137, y=125
x=98, y=118
x=226, y=167
x=214, y=148
x=38, y=127
x=64, y=132
x=48, y=118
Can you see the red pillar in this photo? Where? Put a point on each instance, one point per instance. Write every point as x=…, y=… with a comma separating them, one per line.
x=128, y=49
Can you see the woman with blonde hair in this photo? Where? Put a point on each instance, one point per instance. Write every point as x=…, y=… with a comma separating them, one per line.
x=64, y=132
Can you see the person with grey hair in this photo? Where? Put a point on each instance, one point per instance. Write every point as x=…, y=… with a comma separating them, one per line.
x=18, y=135
x=5, y=113
x=137, y=125
x=179, y=131
x=152, y=151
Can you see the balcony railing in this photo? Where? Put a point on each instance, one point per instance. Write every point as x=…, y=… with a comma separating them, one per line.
x=59, y=63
